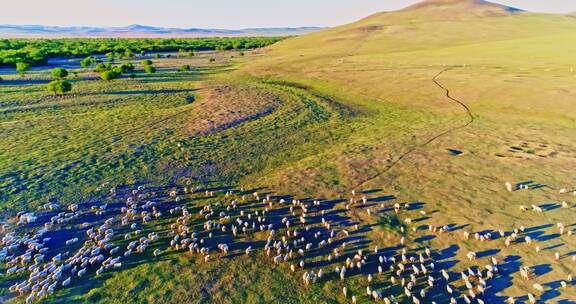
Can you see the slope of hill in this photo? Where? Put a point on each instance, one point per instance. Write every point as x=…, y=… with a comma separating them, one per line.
x=141, y=31
x=419, y=75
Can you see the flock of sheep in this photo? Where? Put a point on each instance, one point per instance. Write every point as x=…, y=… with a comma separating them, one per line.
x=57, y=246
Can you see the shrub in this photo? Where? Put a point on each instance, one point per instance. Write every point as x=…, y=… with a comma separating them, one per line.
x=59, y=73
x=59, y=86
x=149, y=69
x=109, y=75
x=147, y=62
x=184, y=68
x=212, y=59
x=118, y=70
x=127, y=67
x=22, y=67
x=88, y=61
x=102, y=67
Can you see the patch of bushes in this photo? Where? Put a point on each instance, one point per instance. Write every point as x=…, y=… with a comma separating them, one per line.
x=109, y=75
x=37, y=51
x=59, y=86
x=149, y=69
x=59, y=73
x=102, y=67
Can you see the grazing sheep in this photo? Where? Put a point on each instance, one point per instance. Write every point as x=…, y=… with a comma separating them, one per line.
x=526, y=273
x=342, y=273
x=538, y=287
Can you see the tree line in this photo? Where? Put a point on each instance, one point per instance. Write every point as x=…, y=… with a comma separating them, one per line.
x=37, y=51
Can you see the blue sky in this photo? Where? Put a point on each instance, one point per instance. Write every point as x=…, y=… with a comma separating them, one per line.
x=218, y=13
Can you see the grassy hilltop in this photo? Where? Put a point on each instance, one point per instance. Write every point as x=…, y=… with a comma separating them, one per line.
x=440, y=103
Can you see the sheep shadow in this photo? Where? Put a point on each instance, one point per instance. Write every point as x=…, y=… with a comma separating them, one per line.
x=504, y=280
x=542, y=269
x=487, y=253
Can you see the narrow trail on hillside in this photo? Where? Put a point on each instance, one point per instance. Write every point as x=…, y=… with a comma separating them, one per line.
x=448, y=95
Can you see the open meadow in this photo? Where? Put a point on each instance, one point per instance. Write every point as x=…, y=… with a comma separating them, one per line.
x=403, y=158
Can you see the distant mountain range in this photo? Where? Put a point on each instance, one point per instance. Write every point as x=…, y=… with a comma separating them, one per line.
x=141, y=31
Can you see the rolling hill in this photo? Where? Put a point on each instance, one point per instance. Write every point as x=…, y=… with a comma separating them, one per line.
x=140, y=31
x=457, y=96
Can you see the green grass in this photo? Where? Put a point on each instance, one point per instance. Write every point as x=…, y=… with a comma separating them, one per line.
x=392, y=224
x=324, y=112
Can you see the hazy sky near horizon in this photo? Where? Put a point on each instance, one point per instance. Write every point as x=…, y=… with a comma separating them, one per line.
x=226, y=14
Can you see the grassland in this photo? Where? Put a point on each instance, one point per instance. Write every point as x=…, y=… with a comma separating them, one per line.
x=360, y=112
x=514, y=72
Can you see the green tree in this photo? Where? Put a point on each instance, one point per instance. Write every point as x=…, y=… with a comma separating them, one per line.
x=127, y=67
x=128, y=53
x=59, y=87
x=22, y=67
x=59, y=73
x=109, y=75
x=147, y=62
x=184, y=68
x=87, y=62
x=101, y=67
x=190, y=54
x=157, y=55
x=149, y=69
x=118, y=70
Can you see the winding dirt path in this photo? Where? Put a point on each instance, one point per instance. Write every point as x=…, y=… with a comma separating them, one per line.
x=464, y=106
